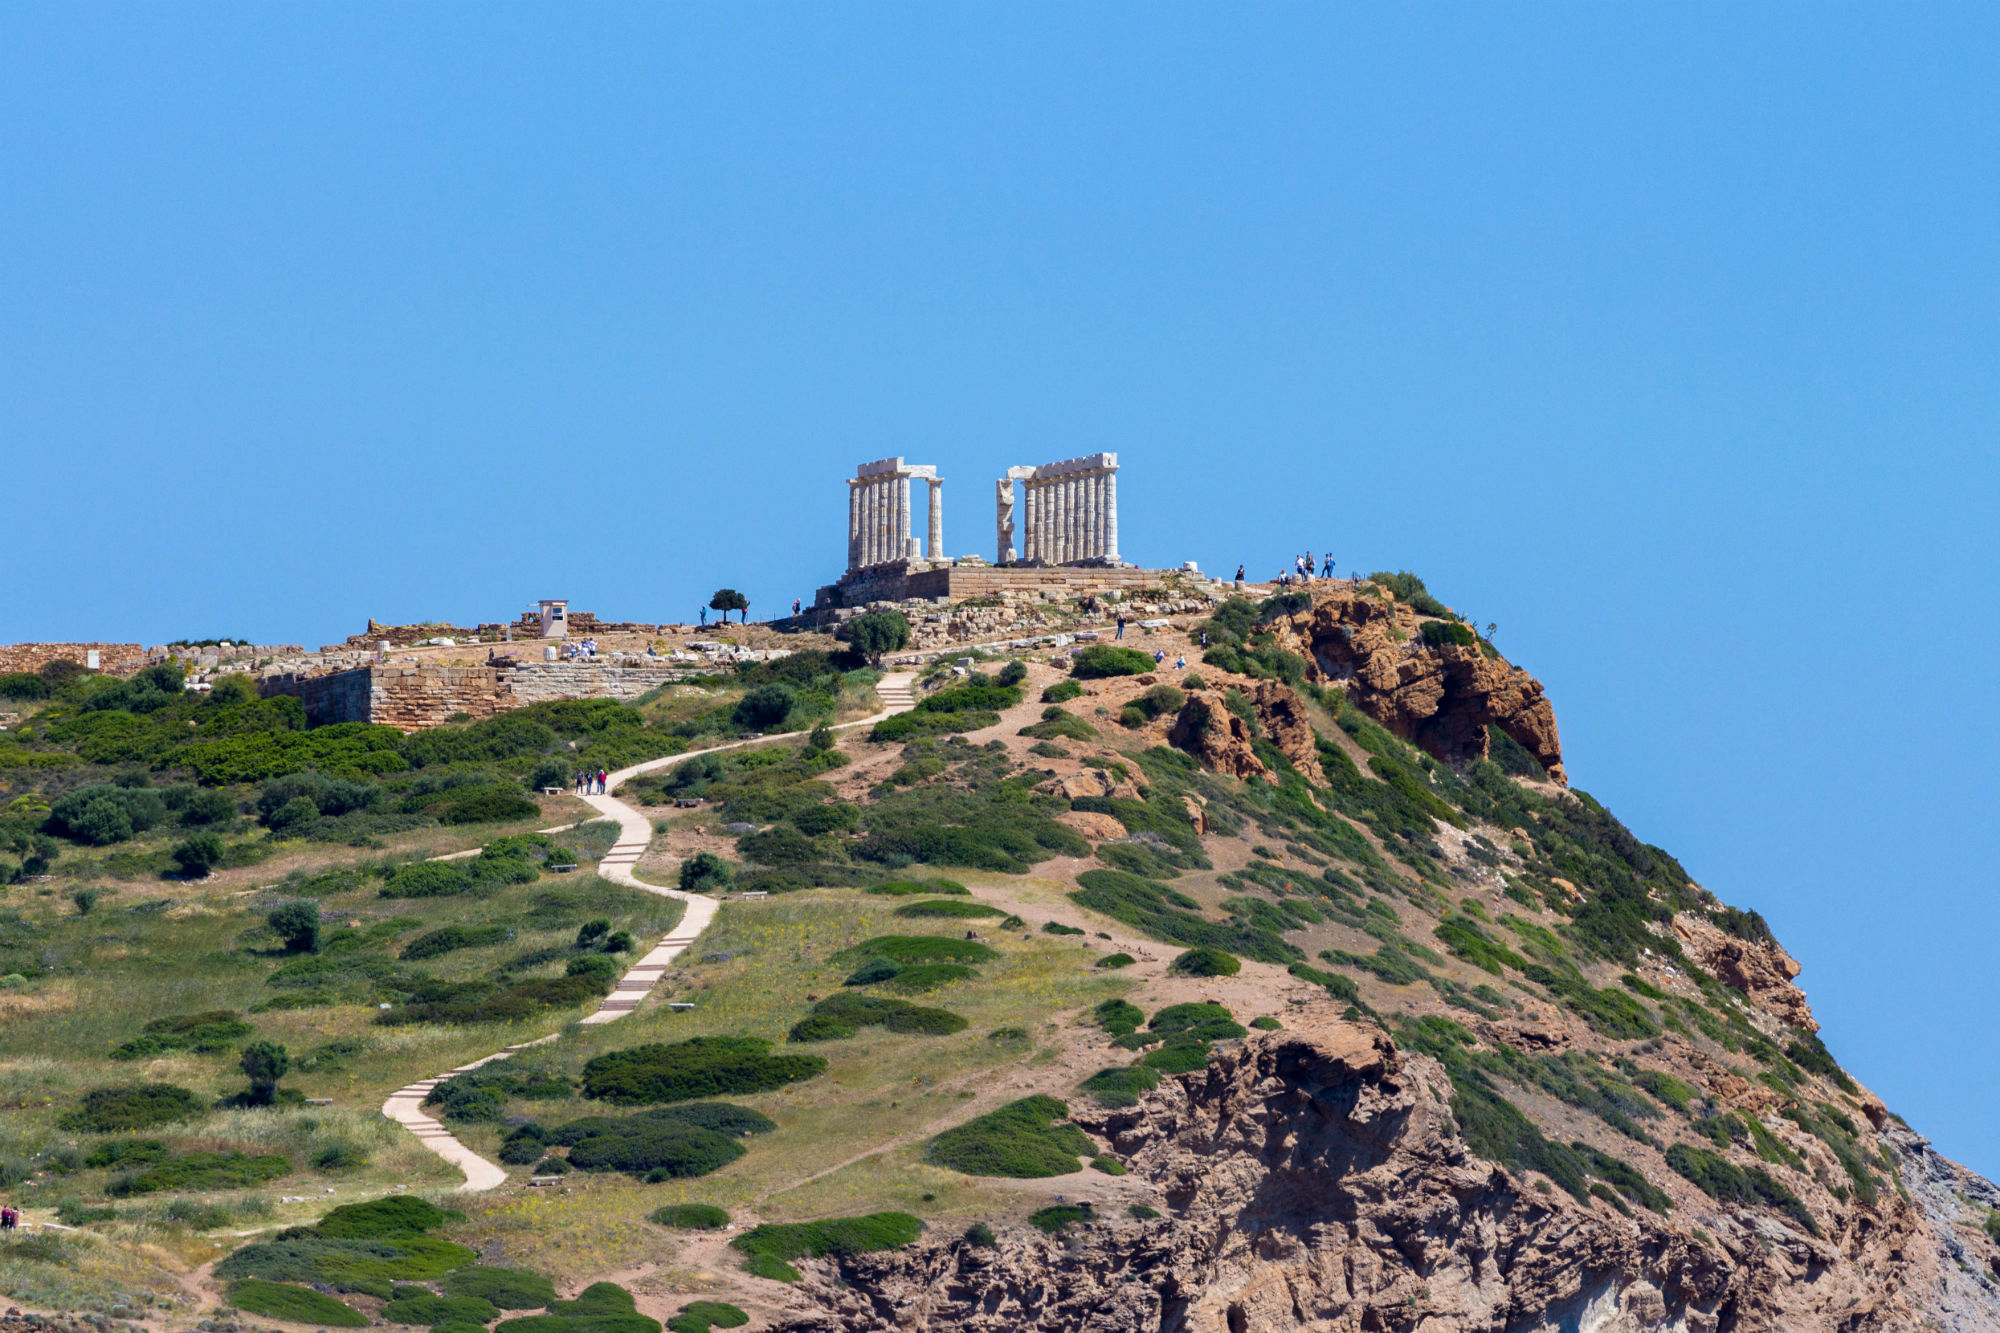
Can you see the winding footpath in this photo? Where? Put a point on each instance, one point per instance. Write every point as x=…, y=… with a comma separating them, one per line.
x=635, y=833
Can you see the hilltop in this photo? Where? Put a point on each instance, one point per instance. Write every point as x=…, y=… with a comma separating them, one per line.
x=1258, y=969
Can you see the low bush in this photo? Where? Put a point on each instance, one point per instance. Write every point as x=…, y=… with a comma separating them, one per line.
x=1059, y=1217
x=841, y=1016
x=1724, y=1181
x=204, y=1171
x=1439, y=633
x=908, y=726
x=1118, y=1017
x=949, y=907
x=1205, y=963
x=140, y=1106
x=1667, y=1089
x=1266, y=1024
x=428, y=879
x=209, y=1033
x=769, y=1246
x=298, y=1305
x=602, y=1307
x=450, y=939
x=918, y=949
x=1200, y=1021
x=652, y=1148
x=1108, y=1165
x=1023, y=1140
x=905, y=888
x=698, y=1067
x=704, y=872
x=1062, y=692
x=910, y=978
x=415, y=1305
x=397, y=1216
x=1121, y=1086
x=1116, y=960
x=691, y=1217
x=701, y=1316
x=128, y=1152
x=1058, y=928
x=1101, y=660
x=1168, y=914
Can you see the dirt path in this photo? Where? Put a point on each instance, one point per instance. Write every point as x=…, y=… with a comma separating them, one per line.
x=635, y=833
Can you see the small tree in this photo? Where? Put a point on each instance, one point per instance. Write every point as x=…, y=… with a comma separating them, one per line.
x=704, y=872
x=199, y=855
x=85, y=900
x=821, y=739
x=727, y=600
x=878, y=632
x=765, y=707
x=264, y=1063
x=297, y=924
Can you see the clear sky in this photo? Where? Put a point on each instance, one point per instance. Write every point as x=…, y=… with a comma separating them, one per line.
x=1663, y=336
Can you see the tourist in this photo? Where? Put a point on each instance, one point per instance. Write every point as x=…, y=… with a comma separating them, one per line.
x=601, y=776
x=1328, y=571
x=1180, y=663
x=795, y=606
x=1121, y=628
x=1158, y=656
x=1204, y=638
x=1239, y=573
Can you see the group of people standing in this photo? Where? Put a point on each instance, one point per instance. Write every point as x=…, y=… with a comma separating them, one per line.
x=589, y=783
x=581, y=648
x=10, y=1217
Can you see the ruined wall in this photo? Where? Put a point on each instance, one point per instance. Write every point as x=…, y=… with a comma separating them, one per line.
x=896, y=583
x=416, y=696
x=117, y=659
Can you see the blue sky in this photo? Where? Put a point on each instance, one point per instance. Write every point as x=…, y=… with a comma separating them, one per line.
x=1663, y=337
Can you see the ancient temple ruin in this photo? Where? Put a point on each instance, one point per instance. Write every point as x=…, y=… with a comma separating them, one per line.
x=1066, y=513
x=878, y=514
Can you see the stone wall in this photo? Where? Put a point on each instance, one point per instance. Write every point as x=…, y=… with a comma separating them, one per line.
x=416, y=696
x=117, y=659
x=919, y=580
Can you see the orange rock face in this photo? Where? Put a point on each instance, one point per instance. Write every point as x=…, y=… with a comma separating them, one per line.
x=1442, y=697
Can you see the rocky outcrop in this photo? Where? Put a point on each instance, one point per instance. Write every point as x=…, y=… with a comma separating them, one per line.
x=1216, y=737
x=1222, y=741
x=1442, y=697
x=1760, y=969
x=1316, y=1180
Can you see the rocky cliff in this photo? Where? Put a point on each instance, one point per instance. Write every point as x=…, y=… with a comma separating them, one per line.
x=1442, y=695
x=1317, y=1180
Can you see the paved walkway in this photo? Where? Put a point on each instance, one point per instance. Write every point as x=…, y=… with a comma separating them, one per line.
x=635, y=834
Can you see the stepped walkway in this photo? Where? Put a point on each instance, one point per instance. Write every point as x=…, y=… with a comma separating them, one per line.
x=635, y=833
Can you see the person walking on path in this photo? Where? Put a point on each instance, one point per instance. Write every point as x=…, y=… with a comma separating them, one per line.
x=1121, y=628
x=601, y=776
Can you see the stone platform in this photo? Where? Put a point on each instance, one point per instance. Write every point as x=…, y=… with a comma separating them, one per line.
x=930, y=581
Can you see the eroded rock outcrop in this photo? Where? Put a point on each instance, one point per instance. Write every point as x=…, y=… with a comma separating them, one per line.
x=1222, y=741
x=1316, y=1180
x=1760, y=969
x=1442, y=697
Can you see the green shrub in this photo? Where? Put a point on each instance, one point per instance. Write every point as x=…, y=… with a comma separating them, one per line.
x=1100, y=660
x=1726, y=1182
x=198, y=854
x=904, y=888
x=1058, y=928
x=948, y=907
x=428, y=879
x=652, y=1148
x=1408, y=588
x=140, y=1106
x=397, y=1216
x=1059, y=1217
x=450, y=939
x=297, y=925
x=1116, y=960
x=1266, y=1024
x=704, y=872
x=1667, y=1089
x=767, y=1247
x=1108, y=1164
x=1118, y=1017
x=208, y=1033
x=930, y=722
x=204, y=1171
x=980, y=1236
x=701, y=1316
x=698, y=1067
x=1468, y=940
x=878, y=632
x=1205, y=963
x=415, y=1305
x=1168, y=914
x=1438, y=633
x=765, y=708
x=691, y=1217
x=918, y=949
x=127, y=1152
x=1062, y=692
x=1027, y=1139
x=298, y=1305
x=841, y=1016
x=1121, y=1086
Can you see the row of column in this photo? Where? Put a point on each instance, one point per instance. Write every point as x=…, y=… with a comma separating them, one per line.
x=1069, y=520
x=878, y=519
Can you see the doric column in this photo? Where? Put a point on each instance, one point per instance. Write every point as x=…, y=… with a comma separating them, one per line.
x=1097, y=534
x=1072, y=518
x=853, y=524
x=903, y=517
x=935, y=546
x=1031, y=518
x=876, y=520
x=1111, y=516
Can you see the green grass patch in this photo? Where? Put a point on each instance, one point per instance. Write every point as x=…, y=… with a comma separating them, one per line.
x=1116, y=960
x=1170, y=915
x=907, y=888
x=1205, y=963
x=701, y=1316
x=918, y=949
x=1121, y=1086
x=508, y=1288
x=415, y=1305
x=1099, y=661
x=1725, y=1182
x=1024, y=1140
x=204, y=1171
x=139, y=1106
x=1059, y=1217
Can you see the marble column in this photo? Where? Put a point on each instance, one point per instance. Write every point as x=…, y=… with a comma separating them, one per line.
x=1111, y=516
x=877, y=521
x=935, y=546
x=867, y=491
x=853, y=525
x=1097, y=533
x=1031, y=540
x=1066, y=534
